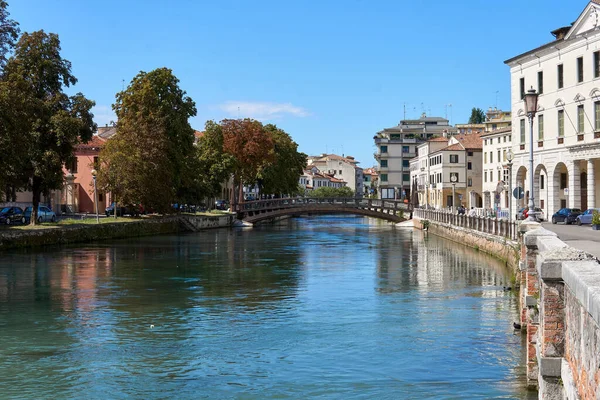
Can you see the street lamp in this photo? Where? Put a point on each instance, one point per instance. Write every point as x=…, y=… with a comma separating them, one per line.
x=510, y=157
x=531, y=100
x=94, y=173
x=453, y=179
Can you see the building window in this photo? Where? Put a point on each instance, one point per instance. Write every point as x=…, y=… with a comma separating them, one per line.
x=395, y=136
x=561, y=123
x=499, y=176
x=340, y=171
x=503, y=155
x=453, y=158
x=455, y=174
x=485, y=158
x=73, y=166
x=563, y=180
x=406, y=163
x=384, y=163
x=540, y=127
x=491, y=157
x=405, y=149
x=383, y=149
x=522, y=86
x=597, y=64
x=597, y=115
x=406, y=177
x=384, y=177
x=561, y=82
x=541, y=181
x=484, y=176
x=580, y=69
x=580, y=119
x=506, y=177
x=469, y=165
x=470, y=182
x=470, y=154
x=499, y=155
x=540, y=82
x=522, y=130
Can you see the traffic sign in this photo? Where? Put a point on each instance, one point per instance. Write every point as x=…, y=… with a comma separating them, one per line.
x=518, y=193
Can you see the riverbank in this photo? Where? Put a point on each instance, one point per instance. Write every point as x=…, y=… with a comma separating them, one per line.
x=83, y=233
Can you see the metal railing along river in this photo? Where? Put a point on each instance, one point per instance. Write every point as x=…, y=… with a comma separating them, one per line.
x=492, y=226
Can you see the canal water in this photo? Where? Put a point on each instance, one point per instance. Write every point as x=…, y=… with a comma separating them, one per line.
x=324, y=307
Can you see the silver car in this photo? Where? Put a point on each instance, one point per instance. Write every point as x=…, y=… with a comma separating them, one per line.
x=586, y=217
x=44, y=214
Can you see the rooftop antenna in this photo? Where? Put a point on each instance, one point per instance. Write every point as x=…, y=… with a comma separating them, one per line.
x=450, y=105
x=238, y=112
x=343, y=151
x=497, y=99
x=405, y=111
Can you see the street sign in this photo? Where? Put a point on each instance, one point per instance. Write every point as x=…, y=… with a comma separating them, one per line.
x=497, y=197
x=566, y=191
x=518, y=193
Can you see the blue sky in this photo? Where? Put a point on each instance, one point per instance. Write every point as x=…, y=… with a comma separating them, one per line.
x=331, y=73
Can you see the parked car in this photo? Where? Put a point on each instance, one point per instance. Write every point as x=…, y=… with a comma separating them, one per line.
x=12, y=215
x=566, y=215
x=44, y=214
x=524, y=213
x=586, y=216
x=133, y=211
x=221, y=204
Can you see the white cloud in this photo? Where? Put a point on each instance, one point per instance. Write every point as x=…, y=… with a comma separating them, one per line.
x=103, y=115
x=262, y=111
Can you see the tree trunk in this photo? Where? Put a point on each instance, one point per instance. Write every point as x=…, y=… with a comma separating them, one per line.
x=37, y=194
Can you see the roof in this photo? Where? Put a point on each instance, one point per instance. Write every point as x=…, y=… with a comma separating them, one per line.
x=438, y=139
x=453, y=147
x=106, y=132
x=497, y=131
x=466, y=142
x=95, y=143
x=198, y=134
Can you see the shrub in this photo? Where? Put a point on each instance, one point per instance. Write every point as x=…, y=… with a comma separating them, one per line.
x=596, y=218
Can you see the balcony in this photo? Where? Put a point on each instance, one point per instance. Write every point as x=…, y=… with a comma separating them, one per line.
x=377, y=155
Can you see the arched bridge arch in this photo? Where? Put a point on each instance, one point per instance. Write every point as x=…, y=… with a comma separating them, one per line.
x=256, y=211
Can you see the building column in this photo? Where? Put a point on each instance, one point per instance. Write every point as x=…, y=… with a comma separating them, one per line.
x=574, y=199
x=553, y=186
x=591, y=186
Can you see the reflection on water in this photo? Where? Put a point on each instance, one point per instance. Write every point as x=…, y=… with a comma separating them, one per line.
x=332, y=307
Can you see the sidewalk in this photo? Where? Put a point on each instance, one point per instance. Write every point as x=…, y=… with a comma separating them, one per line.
x=579, y=237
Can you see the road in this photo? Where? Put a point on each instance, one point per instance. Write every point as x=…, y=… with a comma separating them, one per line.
x=579, y=237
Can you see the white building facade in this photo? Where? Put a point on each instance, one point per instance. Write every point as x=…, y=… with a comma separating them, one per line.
x=566, y=127
x=495, y=168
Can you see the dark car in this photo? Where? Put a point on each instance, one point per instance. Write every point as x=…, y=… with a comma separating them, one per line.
x=12, y=215
x=566, y=215
x=122, y=210
x=221, y=204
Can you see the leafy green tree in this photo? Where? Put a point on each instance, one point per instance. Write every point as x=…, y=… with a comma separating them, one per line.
x=331, y=192
x=477, y=116
x=148, y=161
x=9, y=32
x=215, y=166
x=52, y=123
x=281, y=175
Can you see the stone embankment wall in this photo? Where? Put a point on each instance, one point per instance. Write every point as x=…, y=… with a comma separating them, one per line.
x=496, y=246
x=561, y=313
x=58, y=235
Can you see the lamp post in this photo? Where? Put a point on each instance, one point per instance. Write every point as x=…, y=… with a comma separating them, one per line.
x=510, y=157
x=531, y=100
x=453, y=179
x=94, y=173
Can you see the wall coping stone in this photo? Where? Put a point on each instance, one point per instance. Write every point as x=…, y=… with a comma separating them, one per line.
x=527, y=226
x=530, y=238
x=568, y=381
x=551, y=366
x=583, y=279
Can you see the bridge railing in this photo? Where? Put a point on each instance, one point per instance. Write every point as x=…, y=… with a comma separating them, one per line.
x=259, y=205
x=492, y=226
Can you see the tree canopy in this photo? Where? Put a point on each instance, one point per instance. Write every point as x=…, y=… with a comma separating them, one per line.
x=344, y=191
x=215, y=166
x=49, y=123
x=280, y=176
x=150, y=159
x=9, y=32
x=251, y=148
x=477, y=116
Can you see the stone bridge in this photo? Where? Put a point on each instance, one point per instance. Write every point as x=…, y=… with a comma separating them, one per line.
x=256, y=211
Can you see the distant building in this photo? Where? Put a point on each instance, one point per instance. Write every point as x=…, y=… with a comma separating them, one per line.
x=312, y=179
x=495, y=169
x=371, y=181
x=444, y=164
x=397, y=145
x=343, y=168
